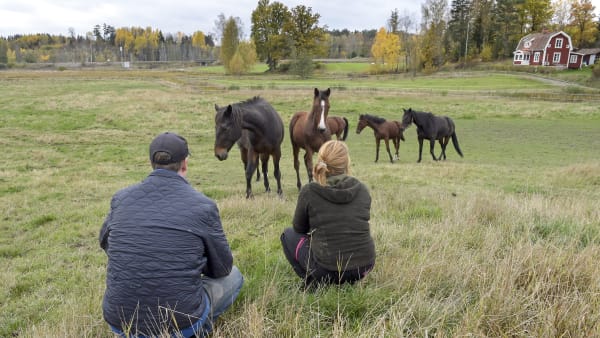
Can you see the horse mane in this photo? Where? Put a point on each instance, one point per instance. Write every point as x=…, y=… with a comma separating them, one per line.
x=374, y=119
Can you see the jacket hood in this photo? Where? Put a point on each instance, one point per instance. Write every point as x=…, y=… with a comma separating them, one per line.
x=340, y=189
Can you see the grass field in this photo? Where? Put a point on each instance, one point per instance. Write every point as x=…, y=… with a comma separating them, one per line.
x=503, y=242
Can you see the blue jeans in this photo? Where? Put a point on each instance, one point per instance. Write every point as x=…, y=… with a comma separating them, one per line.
x=221, y=292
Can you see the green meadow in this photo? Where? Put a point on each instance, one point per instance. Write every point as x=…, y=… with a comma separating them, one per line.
x=504, y=242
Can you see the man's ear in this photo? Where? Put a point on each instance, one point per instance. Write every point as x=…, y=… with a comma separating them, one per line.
x=184, y=167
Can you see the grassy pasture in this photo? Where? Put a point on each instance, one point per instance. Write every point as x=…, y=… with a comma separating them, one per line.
x=502, y=242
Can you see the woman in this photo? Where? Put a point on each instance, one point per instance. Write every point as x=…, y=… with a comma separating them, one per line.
x=330, y=241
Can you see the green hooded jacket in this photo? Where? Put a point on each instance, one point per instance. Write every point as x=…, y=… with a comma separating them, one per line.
x=336, y=216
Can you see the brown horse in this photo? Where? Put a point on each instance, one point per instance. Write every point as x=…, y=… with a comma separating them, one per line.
x=382, y=129
x=308, y=130
x=338, y=126
x=258, y=130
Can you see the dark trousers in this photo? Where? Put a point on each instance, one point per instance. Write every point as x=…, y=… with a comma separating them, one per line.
x=296, y=248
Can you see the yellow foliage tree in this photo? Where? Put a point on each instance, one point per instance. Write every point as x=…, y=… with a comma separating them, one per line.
x=386, y=51
x=199, y=40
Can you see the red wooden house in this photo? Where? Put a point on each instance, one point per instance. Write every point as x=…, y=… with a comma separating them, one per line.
x=544, y=49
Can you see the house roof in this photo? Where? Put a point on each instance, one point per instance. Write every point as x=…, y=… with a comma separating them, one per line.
x=587, y=51
x=538, y=41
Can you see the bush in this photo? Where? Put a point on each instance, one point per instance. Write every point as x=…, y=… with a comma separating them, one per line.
x=596, y=72
x=302, y=66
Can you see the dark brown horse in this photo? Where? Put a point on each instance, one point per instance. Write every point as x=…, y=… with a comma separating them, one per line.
x=308, y=130
x=432, y=128
x=258, y=130
x=338, y=126
x=382, y=129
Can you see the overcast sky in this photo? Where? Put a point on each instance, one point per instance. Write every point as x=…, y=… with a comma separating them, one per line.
x=172, y=16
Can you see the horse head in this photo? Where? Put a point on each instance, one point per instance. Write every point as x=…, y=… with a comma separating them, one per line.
x=362, y=123
x=320, y=108
x=407, y=118
x=227, y=131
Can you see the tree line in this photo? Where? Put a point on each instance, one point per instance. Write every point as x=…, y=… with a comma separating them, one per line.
x=459, y=31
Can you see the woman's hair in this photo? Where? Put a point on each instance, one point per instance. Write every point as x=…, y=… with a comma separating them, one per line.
x=333, y=159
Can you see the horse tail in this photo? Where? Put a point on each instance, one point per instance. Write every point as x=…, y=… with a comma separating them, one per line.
x=455, y=143
x=345, y=129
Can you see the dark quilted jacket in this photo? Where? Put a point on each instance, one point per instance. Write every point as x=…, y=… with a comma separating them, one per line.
x=160, y=236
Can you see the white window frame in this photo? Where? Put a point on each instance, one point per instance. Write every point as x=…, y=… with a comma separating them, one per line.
x=573, y=59
x=556, y=57
x=536, y=57
x=558, y=43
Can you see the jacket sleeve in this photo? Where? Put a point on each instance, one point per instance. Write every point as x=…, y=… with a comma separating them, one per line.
x=219, y=258
x=300, y=221
x=104, y=231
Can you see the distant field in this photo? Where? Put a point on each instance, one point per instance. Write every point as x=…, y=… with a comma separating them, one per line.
x=503, y=242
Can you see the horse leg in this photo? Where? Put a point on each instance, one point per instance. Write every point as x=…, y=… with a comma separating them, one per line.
x=387, y=147
x=308, y=163
x=297, y=165
x=396, y=141
x=252, y=164
x=264, y=159
x=377, y=140
x=277, y=172
x=420, y=149
x=431, y=146
x=443, y=144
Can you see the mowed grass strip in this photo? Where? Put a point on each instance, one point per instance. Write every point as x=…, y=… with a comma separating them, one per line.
x=502, y=242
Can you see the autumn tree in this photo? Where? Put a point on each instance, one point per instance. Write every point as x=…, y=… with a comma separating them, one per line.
x=243, y=59
x=268, y=35
x=581, y=25
x=229, y=42
x=3, y=53
x=433, y=32
x=386, y=51
x=535, y=14
x=303, y=31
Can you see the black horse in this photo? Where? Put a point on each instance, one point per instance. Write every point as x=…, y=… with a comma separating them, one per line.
x=258, y=130
x=432, y=128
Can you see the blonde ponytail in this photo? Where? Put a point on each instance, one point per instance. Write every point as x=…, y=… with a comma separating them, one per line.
x=333, y=159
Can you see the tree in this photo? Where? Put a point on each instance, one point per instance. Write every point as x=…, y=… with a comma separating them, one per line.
x=243, y=59
x=3, y=52
x=386, y=50
x=561, y=9
x=506, y=27
x=229, y=42
x=581, y=25
x=537, y=14
x=304, y=32
x=459, y=26
x=434, y=29
x=394, y=22
x=268, y=35
x=220, y=24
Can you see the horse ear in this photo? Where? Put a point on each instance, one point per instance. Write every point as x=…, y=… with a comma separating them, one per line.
x=228, y=110
x=327, y=92
x=216, y=107
x=316, y=92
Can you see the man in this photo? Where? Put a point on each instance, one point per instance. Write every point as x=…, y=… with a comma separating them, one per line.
x=170, y=268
